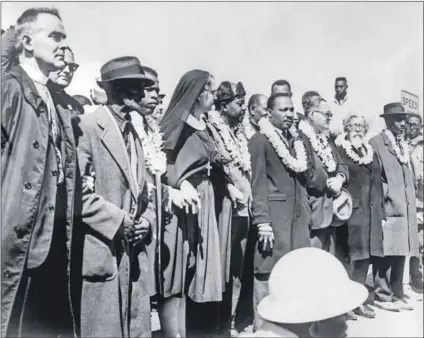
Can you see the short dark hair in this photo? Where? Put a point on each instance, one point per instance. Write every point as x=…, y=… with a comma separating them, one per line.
x=254, y=100
x=28, y=17
x=341, y=78
x=150, y=71
x=308, y=102
x=271, y=101
x=82, y=100
x=281, y=83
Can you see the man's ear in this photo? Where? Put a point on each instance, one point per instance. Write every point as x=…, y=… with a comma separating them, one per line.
x=268, y=113
x=27, y=42
x=223, y=106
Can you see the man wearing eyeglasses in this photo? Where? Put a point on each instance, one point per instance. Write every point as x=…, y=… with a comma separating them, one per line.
x=60, y=80
x=415, y=140
x=315, y=130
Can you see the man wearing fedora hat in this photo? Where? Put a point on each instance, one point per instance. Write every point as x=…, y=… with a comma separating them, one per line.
x=400, y=232
x=295, y=309
x=117, y=209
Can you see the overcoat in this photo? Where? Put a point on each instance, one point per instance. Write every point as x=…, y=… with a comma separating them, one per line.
x=279, y=198
x=105, y=267
x=28, y=167
x=364, y=230
x=400, y=231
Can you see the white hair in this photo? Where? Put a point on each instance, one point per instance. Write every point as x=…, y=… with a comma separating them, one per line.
x=350, y=117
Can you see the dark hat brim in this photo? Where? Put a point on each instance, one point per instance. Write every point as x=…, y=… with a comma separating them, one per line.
x=394, y=114
x=140, y=77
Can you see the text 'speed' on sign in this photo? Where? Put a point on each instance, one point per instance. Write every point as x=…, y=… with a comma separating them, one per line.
x=409, y=102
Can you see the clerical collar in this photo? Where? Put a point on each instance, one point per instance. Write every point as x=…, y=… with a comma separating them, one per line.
x=34, y=73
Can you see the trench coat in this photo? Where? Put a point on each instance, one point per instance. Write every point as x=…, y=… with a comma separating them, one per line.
x=364, y=230
x=27, y=164
x=279, y=198
x=400, y=231
x=105, y=262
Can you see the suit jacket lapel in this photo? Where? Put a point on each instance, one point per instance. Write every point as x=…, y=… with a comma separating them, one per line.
x=113, y=141
x=388, y=144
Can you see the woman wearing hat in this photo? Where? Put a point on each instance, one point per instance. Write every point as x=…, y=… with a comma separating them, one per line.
x=297, y=308
x=191, y=251
x=362, y=236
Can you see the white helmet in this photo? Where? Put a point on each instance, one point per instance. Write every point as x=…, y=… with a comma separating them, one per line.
x=309, y=285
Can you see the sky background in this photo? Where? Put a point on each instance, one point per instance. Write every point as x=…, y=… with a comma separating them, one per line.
x=377, y=46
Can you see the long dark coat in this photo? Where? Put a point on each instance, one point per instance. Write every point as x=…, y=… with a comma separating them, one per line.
x=27, y=164
x=279, y=198
x=105, y=262
x=400, y=231
x=364, y=231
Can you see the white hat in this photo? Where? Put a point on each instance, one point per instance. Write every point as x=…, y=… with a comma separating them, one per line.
x=309, y=285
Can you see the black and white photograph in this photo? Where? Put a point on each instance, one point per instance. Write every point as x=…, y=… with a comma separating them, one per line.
x=212, y=169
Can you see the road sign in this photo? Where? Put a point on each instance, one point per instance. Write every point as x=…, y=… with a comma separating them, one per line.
x=409, y=102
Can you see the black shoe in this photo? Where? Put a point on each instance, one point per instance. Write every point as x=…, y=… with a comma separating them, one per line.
x=364, y=311
x=417, y=286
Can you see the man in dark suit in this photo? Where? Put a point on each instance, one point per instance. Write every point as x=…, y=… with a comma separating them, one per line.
x=281, y=170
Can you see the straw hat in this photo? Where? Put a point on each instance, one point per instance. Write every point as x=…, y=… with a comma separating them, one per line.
x=309, y=285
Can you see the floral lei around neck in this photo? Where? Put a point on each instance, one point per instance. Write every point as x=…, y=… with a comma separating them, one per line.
x=235, y=143
x=348, y=148
x=320, y=146
x=403, y=159
x=298, y=164
x=155, y=158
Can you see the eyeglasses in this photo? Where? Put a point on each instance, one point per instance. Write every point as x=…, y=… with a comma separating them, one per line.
x=357, y=126
x=290, y=109
x=414, y=125
x=327, y=114
x=72, y=66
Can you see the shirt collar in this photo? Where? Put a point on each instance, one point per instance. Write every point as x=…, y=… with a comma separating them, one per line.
x=340, y=103
x=34, y=73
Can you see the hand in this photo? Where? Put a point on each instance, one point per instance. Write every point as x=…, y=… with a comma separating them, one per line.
x=88, y=182
x=335, y=184
x=266, y=236
x=236, y=196
x=191, y=197
x=383, y=223
x=141, y=229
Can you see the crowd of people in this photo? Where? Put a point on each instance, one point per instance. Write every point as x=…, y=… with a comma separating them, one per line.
x=217, y=212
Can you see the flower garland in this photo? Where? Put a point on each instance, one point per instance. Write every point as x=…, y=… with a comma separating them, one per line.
x=298, y=164
x=320, y=146
x=347, y=147
x=235, y=144
x=403, y=159
x=155, y=158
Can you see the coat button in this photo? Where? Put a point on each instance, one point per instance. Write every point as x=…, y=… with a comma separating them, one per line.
x=54, y=172
x=28, y=186
x=20, y=232
x=51, y=207
x=35, y=144
x=6, y=273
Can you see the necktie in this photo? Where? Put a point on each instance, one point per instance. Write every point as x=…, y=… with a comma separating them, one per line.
x=129, y=137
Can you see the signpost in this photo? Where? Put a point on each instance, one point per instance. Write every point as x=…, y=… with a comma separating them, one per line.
x=409, y=102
